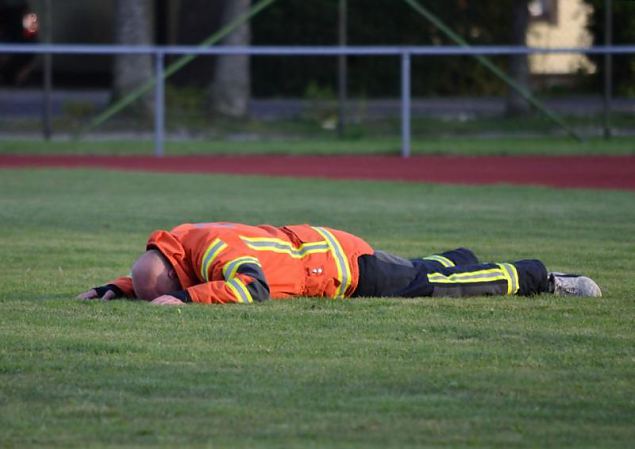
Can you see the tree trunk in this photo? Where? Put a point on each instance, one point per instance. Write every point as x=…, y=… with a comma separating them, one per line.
x=231, y=88
x=518, y=64
x=134, y=21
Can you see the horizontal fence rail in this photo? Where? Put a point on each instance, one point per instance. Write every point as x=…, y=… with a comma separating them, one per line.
x=437, y=50
x=404, y=52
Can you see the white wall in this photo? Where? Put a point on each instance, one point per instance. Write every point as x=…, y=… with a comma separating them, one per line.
x=570, y=31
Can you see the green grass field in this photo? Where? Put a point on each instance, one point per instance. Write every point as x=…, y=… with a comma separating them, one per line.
x=483, y=372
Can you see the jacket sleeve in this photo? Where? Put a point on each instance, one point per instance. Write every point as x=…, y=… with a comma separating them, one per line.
x=122, y=286
x=231, y=275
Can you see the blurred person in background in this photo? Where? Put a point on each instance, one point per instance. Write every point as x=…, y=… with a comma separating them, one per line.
x=18, y=25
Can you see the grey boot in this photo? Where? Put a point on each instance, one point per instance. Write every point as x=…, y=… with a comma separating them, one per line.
x=563, y=284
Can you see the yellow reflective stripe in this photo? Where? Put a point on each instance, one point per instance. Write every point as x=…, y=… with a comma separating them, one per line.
x=493, y=274
x=231, y=267
x=240, y=291
x=214, y=249
x=515, y=278
x=442, y=260
x=284, y=247
x=511, y=275
x=341, y=262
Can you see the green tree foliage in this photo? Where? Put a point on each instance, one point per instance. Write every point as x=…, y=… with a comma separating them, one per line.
x=623, y=33
x=380, y=22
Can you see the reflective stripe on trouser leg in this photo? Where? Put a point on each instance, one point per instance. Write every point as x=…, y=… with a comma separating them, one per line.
x=474, y=280
x=511, y=276
x=525, y=277
x=443, y=261
x=456, y=257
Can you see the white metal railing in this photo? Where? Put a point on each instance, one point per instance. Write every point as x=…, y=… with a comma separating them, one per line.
x=404, y=52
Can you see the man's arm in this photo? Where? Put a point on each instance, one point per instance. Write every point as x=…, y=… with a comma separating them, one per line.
x=120, y=287
x=227, y=270
x=243, y=282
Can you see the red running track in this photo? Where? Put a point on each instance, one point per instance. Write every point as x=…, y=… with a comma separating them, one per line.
x=604, y=172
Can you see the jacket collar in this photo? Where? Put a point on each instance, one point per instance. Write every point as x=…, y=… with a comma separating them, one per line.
x=173, y=250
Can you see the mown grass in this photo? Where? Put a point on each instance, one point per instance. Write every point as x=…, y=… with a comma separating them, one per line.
x=483, y=372
x=552, y=146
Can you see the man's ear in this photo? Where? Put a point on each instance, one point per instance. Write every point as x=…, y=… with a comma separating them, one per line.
x=172, y=274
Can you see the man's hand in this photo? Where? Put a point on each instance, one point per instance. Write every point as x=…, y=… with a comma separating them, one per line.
x=92, y=294
x=167, y=300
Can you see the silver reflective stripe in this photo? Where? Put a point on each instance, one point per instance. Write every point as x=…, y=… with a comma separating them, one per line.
x=239, y=287
x=232, y=266
x=214, y=249
x=479, y=276
x=286, y=247
x=442, y=260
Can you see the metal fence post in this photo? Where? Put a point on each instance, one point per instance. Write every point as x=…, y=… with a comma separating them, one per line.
x=47, y=111
x=405, y=104
x=608, y=67
x=342, y=70
x=159, y=104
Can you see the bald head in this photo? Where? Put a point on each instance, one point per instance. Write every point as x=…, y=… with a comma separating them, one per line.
x=153, y=276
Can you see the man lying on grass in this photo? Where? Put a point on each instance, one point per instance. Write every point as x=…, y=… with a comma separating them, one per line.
x=237, y=263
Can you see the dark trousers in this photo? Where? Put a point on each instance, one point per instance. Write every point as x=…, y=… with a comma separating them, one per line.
x=455, y=273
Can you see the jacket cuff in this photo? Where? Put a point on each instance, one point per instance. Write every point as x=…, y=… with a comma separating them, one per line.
x=101, y=291
x=183, y=295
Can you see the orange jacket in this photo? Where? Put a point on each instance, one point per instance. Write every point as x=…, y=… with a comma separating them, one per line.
x=231, y=262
